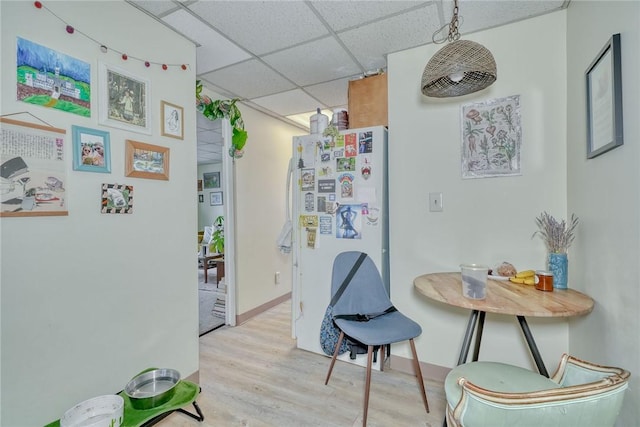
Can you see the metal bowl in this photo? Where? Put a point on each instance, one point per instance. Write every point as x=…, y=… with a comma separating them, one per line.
x=152, y=388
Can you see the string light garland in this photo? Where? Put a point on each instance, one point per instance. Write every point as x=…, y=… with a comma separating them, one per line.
x=70, y=29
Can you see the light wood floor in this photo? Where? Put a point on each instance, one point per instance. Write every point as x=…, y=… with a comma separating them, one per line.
x=253, y=375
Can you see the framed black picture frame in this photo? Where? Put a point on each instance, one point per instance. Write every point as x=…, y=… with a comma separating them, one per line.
x=604, y=100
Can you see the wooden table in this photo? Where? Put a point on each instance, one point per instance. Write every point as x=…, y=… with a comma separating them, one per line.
x=205, y=264
x=503, y=297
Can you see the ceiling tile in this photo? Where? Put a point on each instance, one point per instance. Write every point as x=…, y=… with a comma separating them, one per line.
x=262, y=26
x=242, y=79
x=333, y=94
x=215, y=51
x=324, y=60
x=478, y=15
x=288, y=103
x=341, y=15
x=155, y=7
x=372, y=42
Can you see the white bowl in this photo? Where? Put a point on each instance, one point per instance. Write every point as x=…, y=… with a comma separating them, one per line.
x=101, y=411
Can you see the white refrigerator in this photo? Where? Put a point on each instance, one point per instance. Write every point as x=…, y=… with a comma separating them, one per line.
x=340, y=204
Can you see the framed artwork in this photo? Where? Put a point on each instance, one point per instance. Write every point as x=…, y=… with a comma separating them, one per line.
x=200, y=198
x=33, y=173
x=124, y=100
x=211, y=179
x=216, y=198
x=91, y=150
x=51, y=79
x=199, y=185
x=117, y=199
x=604, y=100
x=172, y=120
x=146, y=160
x=491, y=138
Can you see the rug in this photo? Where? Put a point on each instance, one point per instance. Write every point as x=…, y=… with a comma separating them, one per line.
x=211, y=305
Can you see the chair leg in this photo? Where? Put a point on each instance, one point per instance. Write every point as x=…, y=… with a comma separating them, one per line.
x=382, y=347
x=333, y=359
x=418, y=371
x=367, y=386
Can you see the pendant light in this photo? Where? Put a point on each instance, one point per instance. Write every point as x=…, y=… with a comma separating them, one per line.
x=459, y=68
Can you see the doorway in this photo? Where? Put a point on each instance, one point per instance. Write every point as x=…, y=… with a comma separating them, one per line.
x=216, y=273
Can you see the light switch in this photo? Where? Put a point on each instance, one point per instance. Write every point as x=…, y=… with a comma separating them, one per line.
x=435, y=202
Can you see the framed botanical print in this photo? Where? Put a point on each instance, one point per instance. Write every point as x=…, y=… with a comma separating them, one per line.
x=124, y=100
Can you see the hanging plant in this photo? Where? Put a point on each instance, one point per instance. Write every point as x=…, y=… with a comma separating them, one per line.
x=224, y=108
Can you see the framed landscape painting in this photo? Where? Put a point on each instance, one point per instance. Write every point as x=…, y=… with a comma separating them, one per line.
x=146, y=160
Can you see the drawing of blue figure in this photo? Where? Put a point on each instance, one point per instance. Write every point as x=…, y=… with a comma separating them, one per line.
x=348, y=217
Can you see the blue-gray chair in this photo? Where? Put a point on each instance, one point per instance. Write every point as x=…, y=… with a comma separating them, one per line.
x=365, y=314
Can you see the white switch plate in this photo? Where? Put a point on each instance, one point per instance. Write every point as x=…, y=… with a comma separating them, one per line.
x=435, y=202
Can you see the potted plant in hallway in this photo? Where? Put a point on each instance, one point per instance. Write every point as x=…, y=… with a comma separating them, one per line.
x=217, y=239
x=558, y=236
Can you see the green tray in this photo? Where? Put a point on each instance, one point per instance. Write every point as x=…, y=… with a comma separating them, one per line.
x=186, y=393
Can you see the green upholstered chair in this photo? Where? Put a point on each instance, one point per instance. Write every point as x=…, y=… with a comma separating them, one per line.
x=496, y=394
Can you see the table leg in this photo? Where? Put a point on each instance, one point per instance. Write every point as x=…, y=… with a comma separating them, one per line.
x=476, y=349
x=205, y=264
x=532, y=346
x=466, y=343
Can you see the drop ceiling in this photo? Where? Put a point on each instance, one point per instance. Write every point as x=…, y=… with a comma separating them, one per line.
x=287, y=58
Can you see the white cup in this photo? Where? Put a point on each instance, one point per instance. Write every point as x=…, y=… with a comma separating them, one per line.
x=474, y=280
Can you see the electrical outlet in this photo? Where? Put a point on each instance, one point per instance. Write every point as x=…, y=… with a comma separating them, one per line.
x=276, y=278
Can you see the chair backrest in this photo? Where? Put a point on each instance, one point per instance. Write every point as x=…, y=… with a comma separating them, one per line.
x=366, y=293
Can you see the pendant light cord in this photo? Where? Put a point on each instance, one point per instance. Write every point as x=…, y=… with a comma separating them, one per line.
x=453, y=28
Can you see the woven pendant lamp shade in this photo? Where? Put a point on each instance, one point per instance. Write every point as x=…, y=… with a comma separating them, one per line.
x=468, y=62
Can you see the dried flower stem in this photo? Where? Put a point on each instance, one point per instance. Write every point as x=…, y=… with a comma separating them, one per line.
x=558, y=236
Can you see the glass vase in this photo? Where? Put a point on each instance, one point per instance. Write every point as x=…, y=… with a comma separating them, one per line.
x=559, y=266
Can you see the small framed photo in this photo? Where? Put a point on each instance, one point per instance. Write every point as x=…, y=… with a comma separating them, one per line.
x=200, y=198
x=604, y=100
x=216, y=198
x=117, y=199
x=211, y=179
x=91, y=150
x=199, y=185
x=124, y=100
x=146, y=160
x=172, y=120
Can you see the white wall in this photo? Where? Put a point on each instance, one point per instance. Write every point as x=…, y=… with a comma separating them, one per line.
x=207, y=213
x=486, y=220
x=260, y=210
x=89, y=300
x=604, y=192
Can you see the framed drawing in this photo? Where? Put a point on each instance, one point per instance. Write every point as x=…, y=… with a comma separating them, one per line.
x=117, y=199
x=216, y=198
x=172, y=120
x=33, y=178
x=146, y=160
x=211, y=179
x=199, y=185
x=91, y=150
x=124, y=100
x=604, y=100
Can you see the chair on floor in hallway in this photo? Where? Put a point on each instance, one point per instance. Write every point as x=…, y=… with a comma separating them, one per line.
x=364, y=313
